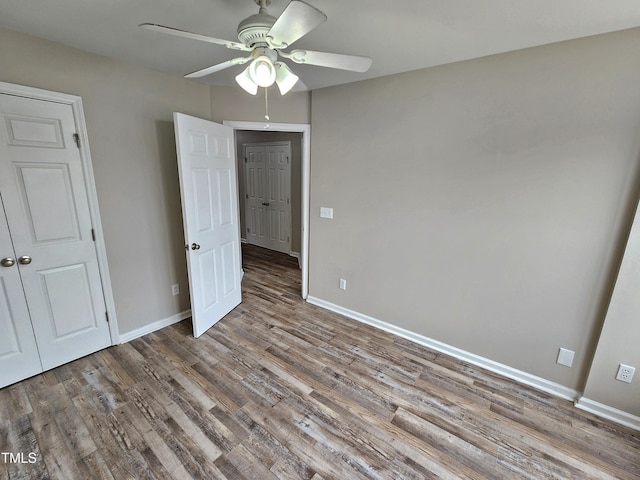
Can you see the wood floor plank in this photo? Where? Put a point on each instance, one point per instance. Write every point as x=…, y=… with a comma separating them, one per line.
x=281, y=389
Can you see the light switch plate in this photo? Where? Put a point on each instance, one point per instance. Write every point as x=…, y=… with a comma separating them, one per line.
x=326, y=212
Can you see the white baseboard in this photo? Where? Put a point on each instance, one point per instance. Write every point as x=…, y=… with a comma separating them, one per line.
x=610, y=413
x=296, y=255
x=504, y=370
x=152, y=327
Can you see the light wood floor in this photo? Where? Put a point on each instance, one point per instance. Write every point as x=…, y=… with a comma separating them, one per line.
x=282, y=389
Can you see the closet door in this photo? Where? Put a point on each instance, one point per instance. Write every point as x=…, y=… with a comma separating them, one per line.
x=256, y=195
x=45, y=199
x=278, y=194
x=18, y=352
x=267, y=173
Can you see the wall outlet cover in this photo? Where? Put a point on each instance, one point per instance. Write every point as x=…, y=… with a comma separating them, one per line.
x=326, y=212
x=565, y=357
x=625, y=373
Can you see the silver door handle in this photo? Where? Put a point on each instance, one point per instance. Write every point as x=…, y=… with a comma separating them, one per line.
x=7, y=262
x=24, y=260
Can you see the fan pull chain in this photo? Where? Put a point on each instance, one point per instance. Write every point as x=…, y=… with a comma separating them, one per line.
x=266, y=103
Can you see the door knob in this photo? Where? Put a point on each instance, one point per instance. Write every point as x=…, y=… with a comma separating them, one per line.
x=195, y=246
x=24, y=260
x=7, y=262
x=266, y=204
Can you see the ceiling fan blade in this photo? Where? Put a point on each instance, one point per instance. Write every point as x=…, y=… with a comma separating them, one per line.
x=194, y=36
x=216, y=68
x=332, y=60
x=298, y=19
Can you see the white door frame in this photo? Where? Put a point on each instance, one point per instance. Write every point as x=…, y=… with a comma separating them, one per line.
x=305, y=129
x=87, y=170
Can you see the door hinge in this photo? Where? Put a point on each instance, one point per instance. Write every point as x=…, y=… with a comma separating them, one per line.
x=93, y=234
x=288, y=240
x=76, y=138
x=247, y=195
x=245, y=159
x=287, y=201
x=106, y=314
x=287, y=159
x=248, y=230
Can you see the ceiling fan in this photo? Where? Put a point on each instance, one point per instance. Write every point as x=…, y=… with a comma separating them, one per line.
x=266, y=37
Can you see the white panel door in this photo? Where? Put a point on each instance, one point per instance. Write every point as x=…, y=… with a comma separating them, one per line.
x=208, y=186
x=279, y=186
x=19, y=356
x=267, y=178
x=255, y=206
x=45, y=200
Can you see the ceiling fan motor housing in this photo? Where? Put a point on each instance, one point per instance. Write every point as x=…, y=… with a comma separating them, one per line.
x=252, y=30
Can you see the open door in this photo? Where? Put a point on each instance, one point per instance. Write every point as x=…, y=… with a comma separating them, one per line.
x=208, y=187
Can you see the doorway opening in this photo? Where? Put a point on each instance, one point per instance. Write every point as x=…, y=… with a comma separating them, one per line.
x=299, y=135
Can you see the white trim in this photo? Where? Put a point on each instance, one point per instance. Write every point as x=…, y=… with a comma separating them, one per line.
x=296, y=255
x=610, y=413
x=504, y=370
x=305, y=129
x=152, y=327
x=92, y=196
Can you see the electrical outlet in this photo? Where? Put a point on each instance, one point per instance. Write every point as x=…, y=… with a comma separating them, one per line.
x=343, y=284
x=565, y=357
x=175, y=289
x=625, y=373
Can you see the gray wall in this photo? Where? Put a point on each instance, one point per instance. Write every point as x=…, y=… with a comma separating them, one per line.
x=129, y=115
x=483, y=204
x=232, y=103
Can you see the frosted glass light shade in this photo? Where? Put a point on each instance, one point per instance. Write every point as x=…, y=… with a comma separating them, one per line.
x=245, y=81
x=285, y=78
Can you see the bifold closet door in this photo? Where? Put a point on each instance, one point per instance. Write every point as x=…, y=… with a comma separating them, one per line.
x=43, y=189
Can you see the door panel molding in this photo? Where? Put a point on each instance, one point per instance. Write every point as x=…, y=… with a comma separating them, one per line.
x=75, y=102
x=213, y=253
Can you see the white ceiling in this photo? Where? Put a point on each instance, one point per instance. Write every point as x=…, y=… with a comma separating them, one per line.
x=399, y=35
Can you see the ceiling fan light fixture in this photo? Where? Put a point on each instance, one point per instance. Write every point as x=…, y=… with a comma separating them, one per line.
x=262, y=71
x=285, y=78
x=245, y=81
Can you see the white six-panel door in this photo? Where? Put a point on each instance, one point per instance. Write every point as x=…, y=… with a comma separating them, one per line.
x=279, y=209
x=47, y=211
x=267, y=176
x=19, y=356
x=255, y=204
x=209, y=191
